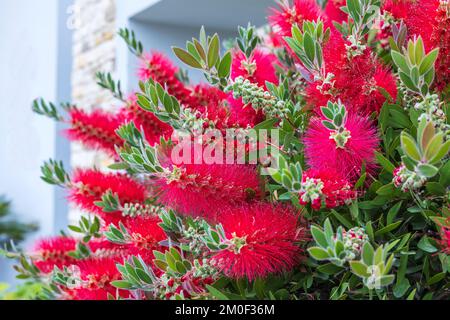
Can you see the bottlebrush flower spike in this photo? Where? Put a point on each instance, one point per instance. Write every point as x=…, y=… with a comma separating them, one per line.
x=429, y=19
x=210, y=103
x=158, y=67
x=146, y=236
x=326, y=187
x=285, y=17
x=88, y=187
x=333, y=11
x=355, y=81
x=344, y=146
x=48, y=253
x=262, y=241
x=96, y=276
x=259, y=68
x=201, y=189
x=154, y=129
x=102, y=248
x=203, y=95
x=243, y=116
x=95, y=130
x=441, y=39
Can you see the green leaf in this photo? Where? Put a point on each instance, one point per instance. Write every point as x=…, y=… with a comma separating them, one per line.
x=408, y=82
x=385, y=163
x=428, y=61
x=213, y=51
x=409, y=146
x=393, y=212
x=435, y=188
x=427, y=170
x=425, y=245
x=319, y=236
x=386, y=190
x=445, y=174
x=225, y=66
x=367, y=254
x=318, y=253
x=436, y=278
x=434, y=146
x=443, y=151
x=187, y=58
x=216, y=293
x=400, y=61
x=359, y=268
x=122, y=284
x=388, y=228
x=387, y=280
x=309, y=46
x=329, y=268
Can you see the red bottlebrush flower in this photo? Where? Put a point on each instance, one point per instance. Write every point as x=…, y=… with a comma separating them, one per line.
x=203, y=95
x=96, y=130
x=145, y=231
x=325, y=187
x=49, y=253
x=323, y=153
x=284, y=17
x=446, y=240
x=243, y=116
x=153, y=128
x=210, y=104
x=200, y=189
x=429, y=19
x=158, y=67
x=262, y=241
x=259, y=68
x=333, y=11
x=355, y=81
x=102, y=248
x=97, y=275
x=441, y=39
x=89, y=186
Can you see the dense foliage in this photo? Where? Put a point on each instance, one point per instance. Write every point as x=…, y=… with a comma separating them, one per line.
x=357, y=206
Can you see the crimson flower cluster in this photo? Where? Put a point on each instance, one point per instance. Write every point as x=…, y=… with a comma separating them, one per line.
x=163, y=230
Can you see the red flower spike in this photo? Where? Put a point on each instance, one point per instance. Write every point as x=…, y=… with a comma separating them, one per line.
x=201, y=189
x=334, y=190
x=264, y=241
x=96, y=130
x=90, y=185
x=429, y=19
x=259, y=68
x=322, y=153
x=97, y=275
x=145, y=232
x=154, y=129
x=285, y=17
x=243, y=116
x=333, y=11
x=52, y=252
x=158, y=67
x=355, y=81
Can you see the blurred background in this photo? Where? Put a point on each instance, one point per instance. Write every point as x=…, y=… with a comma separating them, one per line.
x=53, y=49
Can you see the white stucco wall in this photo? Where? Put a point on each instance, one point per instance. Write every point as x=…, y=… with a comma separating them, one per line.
x=30, y=36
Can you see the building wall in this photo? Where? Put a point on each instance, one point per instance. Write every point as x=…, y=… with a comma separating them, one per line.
x=34, y=62
x=94, y=50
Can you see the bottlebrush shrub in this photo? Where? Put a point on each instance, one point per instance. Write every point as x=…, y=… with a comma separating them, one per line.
x=354, y=204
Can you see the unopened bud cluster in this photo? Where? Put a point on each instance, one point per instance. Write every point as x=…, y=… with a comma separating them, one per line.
x=432, y=111
x=408, y=180
x=354, y=240
x=256, y=96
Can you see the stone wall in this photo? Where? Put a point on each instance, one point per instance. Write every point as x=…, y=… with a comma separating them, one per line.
x=94, y=49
